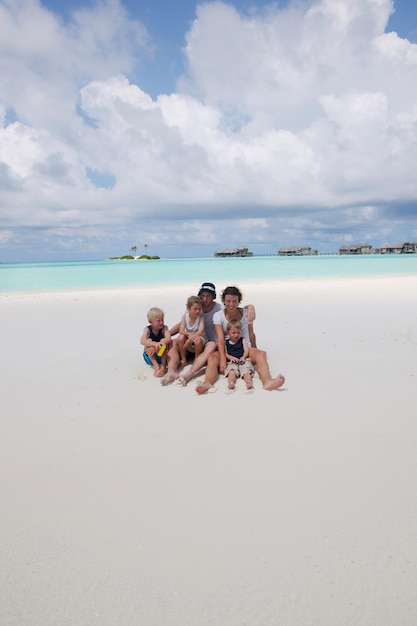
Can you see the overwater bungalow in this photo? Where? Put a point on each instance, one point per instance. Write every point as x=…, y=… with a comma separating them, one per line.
x=239, y=251
x=297, y=251
x=401, y=247
x=359, y=248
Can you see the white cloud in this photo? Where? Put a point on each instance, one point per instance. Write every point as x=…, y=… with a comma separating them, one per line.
x=44, y=61
x=281, y=113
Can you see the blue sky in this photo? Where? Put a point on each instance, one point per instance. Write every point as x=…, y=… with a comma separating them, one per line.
x=190, y=127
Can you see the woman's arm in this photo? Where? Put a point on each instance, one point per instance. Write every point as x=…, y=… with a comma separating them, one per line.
x=250, y=314
x=221, y=346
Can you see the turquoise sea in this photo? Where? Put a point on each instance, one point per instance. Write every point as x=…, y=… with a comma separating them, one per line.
x=34, y=277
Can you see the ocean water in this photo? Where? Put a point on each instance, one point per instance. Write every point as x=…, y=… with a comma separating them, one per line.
x=34, y=277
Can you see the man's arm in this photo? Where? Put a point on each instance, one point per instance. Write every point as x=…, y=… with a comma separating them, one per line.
x=175, y=329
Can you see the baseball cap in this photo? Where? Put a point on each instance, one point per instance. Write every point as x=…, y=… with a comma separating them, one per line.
x=209, y=287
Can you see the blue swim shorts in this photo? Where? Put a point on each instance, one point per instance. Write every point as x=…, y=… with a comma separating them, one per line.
x=148, y=361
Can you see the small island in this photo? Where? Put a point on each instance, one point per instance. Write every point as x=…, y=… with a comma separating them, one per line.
x=133, y=257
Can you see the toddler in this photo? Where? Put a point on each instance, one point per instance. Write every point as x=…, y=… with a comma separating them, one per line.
x=237, y=353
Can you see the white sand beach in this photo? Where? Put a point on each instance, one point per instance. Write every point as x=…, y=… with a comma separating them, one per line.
x=125, y=503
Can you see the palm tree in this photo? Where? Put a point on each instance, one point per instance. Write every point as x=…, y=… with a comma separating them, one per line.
x=133, y=250
x=146, y=247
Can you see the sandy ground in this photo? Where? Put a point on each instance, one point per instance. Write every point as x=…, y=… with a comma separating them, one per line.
x=127, y=503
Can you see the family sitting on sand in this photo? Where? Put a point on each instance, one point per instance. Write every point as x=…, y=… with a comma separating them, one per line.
x=217, y=337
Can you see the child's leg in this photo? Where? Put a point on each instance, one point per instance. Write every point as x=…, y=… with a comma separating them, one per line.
x=156, y=366
x=231, y=379
x=198, y=347
x=248, y=381
x=181, y=350
x=163, y=366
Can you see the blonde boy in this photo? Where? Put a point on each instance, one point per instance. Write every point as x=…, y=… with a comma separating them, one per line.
x=155, y=339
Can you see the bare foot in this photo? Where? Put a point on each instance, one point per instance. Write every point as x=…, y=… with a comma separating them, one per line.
x=184, y=380
x=160, y=373
x=231, y=386
x=203, y=388
x=183, y=362
x=169, y=378
x=274, y=383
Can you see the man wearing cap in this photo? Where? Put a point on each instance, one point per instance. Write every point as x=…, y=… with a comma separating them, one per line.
x=209, y=357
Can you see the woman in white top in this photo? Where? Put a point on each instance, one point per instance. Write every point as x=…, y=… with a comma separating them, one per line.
x=231, y=298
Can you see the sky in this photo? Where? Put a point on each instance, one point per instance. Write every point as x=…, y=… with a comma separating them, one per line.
x=180, y=128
